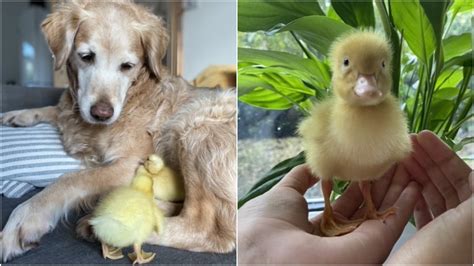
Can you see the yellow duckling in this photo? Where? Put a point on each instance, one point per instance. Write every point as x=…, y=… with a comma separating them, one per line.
x=360, y=132
x=127, y=216
x=167, y=185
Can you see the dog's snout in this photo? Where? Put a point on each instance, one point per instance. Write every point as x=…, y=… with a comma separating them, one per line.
x=102, y=111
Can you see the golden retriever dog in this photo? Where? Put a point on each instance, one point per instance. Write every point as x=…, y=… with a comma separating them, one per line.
x=121, y=106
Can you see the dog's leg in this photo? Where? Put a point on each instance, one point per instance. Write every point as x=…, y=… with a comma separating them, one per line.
x=30, y=117
x=39, y=215
x=205, y=153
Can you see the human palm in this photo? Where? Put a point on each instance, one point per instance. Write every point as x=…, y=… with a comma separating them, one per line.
x=275, y=228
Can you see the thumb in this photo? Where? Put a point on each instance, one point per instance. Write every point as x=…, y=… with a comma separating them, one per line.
x=381, y=236
x=299, y=179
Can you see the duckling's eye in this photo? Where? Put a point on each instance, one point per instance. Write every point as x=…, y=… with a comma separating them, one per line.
x=346, y=62
x=383, y=64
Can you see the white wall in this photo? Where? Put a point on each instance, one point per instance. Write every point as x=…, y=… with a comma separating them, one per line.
x=209, y=35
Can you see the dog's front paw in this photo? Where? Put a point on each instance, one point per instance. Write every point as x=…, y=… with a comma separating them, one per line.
x=20, y=118
x=84, y=228
x=26, y=225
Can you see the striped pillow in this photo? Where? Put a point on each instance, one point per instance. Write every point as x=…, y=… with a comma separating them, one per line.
x=31, y=157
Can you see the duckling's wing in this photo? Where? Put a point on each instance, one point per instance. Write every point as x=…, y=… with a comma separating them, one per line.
x=108, y=228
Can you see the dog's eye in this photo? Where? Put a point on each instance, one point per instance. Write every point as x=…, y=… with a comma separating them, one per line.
x=383, y=64
x=87, y=57
x=126, y=66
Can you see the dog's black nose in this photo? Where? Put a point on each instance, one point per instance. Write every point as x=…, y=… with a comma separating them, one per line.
x=102, y=111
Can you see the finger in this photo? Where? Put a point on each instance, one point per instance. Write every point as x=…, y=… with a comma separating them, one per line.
x=299, y=179
x=471, y=180
x=422, y=214
x=345, y=206
x=349, y=201
x=435, y=175
x=378, y=191
x=454, y=168
x=381, y=186
x=379, y=237
x=399, y=181
x=433, y=197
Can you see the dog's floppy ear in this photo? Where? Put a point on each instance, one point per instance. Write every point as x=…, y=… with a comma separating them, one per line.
x=59, y=28
x=155, y=42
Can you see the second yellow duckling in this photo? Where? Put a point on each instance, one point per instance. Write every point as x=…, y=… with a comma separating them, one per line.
x=167, y=184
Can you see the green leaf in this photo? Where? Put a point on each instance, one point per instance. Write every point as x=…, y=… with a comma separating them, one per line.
x=448, y=141
x=449, y=78
x=332, y=14
x=280, y=78
x=440, y=110
x=281, y=169
x=284, y=78
x=319, y=71
x=285, y=81
x=436, y=13
x=457, y=45
x=410, y=19
x=277, y=80
x=272, y=177
x=460, y=6
x=266, y=15
x=271, y=99
x=355, y=13
x=463, y=119
x=463, y=60
x=317, y=31
x=339, y=186
x=259, y=191
x=447, y=93
x=249, y=82
x=462, y=143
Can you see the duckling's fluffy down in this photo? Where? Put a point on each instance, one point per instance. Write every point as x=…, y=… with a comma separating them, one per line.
x=126, y=216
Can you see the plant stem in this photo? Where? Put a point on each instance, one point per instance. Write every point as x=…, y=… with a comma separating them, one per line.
x=467, y=71
x=303, y=47
x=392, y=34
x=451, y=134
x=384, y=17
x=428, y=95
x=414, y=128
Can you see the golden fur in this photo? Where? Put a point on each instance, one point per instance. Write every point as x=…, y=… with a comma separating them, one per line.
x=193, y=130
x=344, y=137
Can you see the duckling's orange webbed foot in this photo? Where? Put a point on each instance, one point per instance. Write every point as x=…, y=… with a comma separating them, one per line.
x=112, y=253
x=332, y=225
x=139, y=256
x=372, y=213
x=376, y=215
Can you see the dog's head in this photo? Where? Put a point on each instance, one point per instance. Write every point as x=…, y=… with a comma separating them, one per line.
x=105, y=45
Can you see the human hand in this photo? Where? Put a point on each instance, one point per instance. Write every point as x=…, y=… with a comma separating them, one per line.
x=443, y=215
x=274, y=228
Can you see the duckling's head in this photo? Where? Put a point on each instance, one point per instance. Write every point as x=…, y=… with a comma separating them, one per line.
x=154, y=164
x=143, y=183
x=361, y=66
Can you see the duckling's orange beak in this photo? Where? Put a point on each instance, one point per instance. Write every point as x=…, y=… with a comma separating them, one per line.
x=366, y=87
